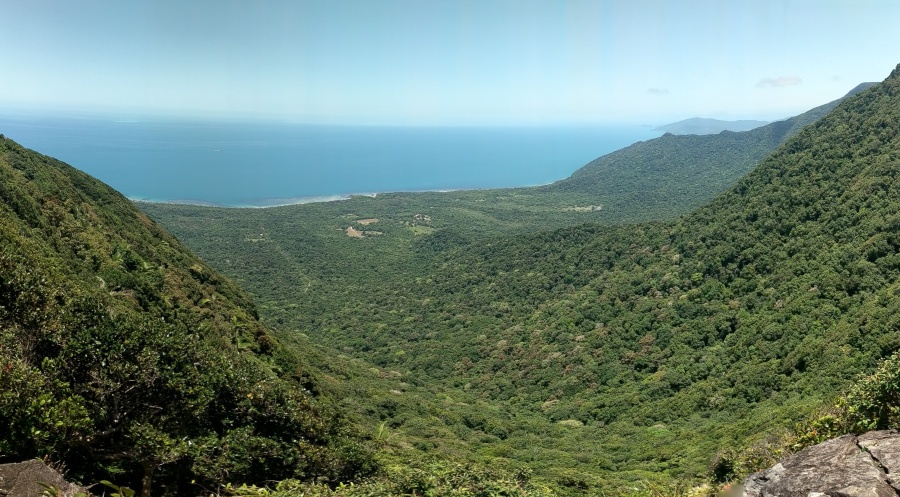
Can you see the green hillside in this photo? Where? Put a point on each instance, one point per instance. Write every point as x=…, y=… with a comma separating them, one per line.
x=123, y=356
x=674, y=174
x=653, y=346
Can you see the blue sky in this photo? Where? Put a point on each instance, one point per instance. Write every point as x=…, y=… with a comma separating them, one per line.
x=421, y=62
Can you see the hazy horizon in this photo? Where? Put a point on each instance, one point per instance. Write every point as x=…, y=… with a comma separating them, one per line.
x=127, y=117
x=465, y=63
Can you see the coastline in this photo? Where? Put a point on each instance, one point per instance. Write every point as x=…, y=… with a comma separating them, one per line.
x=258, y=165
x=260, y=204
x=267, y=203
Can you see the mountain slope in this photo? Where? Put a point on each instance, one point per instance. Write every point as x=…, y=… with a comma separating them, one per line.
x=124, y=356
x=670, y=175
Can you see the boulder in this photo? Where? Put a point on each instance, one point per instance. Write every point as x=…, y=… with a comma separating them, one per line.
x=849, y=466
x=24, y=480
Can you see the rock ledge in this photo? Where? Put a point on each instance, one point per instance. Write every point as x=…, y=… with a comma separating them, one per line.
x=23, y=480
x=849, y=466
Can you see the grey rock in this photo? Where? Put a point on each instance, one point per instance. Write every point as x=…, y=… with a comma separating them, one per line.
x=847, y=466
x=23, y=480
x=884, y=446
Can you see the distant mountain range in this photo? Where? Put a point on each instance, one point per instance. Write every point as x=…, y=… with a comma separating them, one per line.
x=706, y=126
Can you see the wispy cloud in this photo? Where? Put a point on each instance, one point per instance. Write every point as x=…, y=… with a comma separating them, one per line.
x=779, y=82
x=657, y=91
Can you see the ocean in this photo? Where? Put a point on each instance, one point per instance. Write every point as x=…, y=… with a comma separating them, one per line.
x=263, y=164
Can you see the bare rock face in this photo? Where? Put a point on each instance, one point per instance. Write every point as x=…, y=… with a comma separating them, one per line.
x=849, y=466
x=24, y=480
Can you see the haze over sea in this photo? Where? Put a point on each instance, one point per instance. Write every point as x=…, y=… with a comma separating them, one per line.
x=264, y=164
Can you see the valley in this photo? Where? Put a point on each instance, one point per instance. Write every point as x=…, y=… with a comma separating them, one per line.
x=596, y=352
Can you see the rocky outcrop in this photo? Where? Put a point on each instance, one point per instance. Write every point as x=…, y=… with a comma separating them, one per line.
x=849, y=466
x=24, y=479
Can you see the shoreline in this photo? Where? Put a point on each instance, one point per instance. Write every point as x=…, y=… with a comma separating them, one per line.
x=262, y=203
x=268, y=203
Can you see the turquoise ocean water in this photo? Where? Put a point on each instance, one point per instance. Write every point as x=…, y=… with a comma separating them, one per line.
x=262, y=164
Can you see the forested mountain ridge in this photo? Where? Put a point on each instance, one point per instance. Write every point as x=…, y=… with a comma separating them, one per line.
x=673, y=174
x=123, y=356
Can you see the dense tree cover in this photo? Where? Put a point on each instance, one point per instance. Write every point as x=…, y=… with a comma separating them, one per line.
x=672, y=175
x=125, y=357
x=871, y=403
x=607, y=350
x=440, y=479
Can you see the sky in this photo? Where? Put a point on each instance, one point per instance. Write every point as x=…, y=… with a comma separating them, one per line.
x=432, y=62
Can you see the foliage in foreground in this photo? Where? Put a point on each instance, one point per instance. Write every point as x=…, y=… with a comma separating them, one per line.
x=436, y=479
x=125, y=357
x=871, y=403
x=451, y=479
